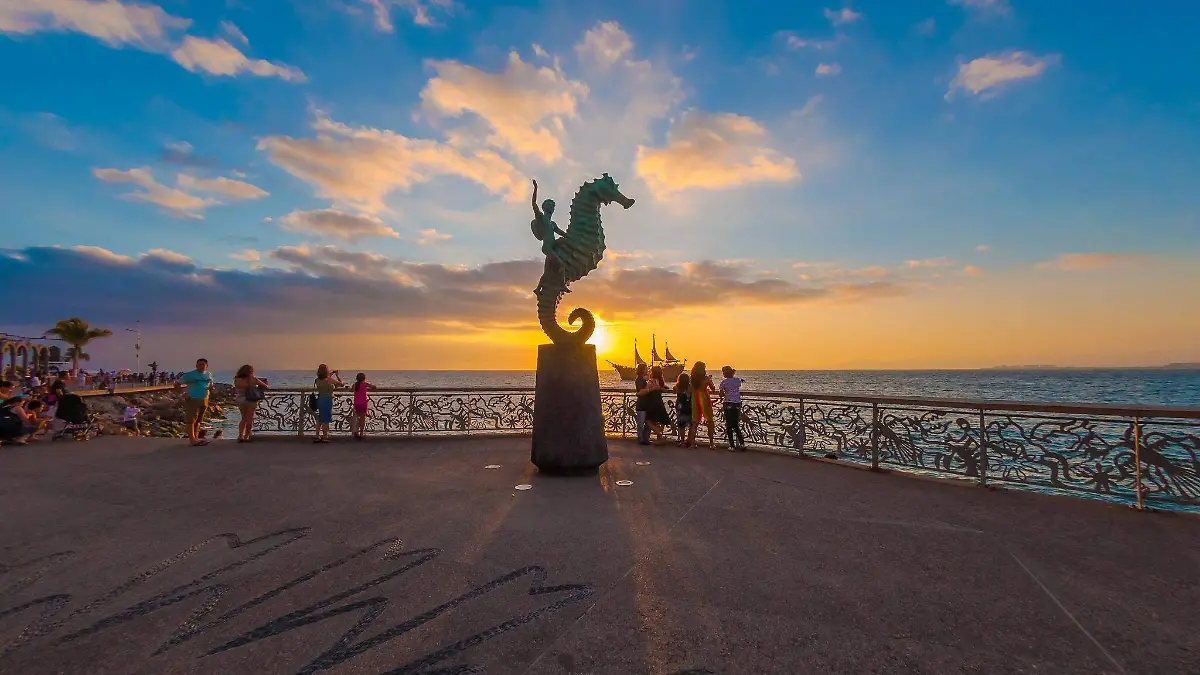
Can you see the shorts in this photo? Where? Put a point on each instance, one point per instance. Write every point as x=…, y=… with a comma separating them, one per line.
x=684, y=421
x=360, y=409
x=325, y=410
x=193, y=408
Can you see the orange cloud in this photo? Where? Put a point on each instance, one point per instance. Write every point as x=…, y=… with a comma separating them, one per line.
x=359, y=166
x=712, y=151
x=520, y=106
x=1090, y=261
x=175, y=202
x=218, y=57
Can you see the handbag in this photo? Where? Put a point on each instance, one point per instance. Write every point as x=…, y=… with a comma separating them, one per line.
x=254, y=394
x=312, y=402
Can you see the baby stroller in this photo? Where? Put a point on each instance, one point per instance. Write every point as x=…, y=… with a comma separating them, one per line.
x=80, y=424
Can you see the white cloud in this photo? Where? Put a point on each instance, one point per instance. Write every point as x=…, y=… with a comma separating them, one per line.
x=234, y=33
x=627, y=100
x=337, y=225
x=246, y=255
x=218, y=57
x=176, y=202
x=432, y=236
x=604, y=45
x=114, y=23
x=359, y=166
x=143, y=26
x=180, y=202
x=810, y=107
x=712, y=151
x=422, y=11
x=842, y=16
x=983, y=248
x=181, y=147
x=828, y=69
x=795, y=42
x=984, y=6
x=926, y=28
x=987, y=73
x=521, y=106
x=226, y=187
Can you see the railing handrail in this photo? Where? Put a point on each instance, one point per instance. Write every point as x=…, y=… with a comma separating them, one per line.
x=1103, y=409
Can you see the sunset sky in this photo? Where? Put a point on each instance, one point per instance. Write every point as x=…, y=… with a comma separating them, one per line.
x=881, y=184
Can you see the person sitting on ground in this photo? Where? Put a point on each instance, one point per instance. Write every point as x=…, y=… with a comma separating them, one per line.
x=18, y=424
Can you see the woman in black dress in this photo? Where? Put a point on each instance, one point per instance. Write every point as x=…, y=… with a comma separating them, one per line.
x=656, y=411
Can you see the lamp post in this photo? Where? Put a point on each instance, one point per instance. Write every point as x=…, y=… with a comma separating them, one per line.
x=137, y=346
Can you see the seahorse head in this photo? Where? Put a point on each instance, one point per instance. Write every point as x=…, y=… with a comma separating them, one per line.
x=606, y=190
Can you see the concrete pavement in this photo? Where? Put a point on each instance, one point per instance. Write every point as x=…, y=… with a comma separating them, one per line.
x=409, y=556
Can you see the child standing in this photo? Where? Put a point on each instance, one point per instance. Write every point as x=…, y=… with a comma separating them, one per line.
x=683, y=406
x=731, y=392
x=360, y=405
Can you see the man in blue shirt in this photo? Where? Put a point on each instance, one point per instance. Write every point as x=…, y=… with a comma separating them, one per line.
x=199, y=382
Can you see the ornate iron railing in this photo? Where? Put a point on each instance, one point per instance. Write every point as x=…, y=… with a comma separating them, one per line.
x=1132, y=454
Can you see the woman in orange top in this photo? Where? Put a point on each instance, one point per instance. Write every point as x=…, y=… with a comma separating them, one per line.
x=702, y=384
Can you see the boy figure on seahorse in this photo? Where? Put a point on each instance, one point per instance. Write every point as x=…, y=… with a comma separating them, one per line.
x=544, y=229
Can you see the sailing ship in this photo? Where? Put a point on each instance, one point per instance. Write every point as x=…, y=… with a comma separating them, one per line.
x=671, y=366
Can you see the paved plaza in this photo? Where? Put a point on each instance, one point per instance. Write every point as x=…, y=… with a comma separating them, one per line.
x=146, y=556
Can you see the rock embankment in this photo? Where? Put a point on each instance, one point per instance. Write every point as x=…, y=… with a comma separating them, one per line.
x=161, y=411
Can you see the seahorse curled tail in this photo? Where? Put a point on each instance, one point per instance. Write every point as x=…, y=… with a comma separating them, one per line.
x=548, y=301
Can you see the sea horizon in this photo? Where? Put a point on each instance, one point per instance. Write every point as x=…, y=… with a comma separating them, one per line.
x=1138, y=386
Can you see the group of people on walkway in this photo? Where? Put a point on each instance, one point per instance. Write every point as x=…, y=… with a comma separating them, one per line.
x=693, y=405
x=693, y=391
x=249, y=390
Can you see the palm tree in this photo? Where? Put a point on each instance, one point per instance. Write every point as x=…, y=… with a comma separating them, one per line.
x=77, y=333
x=77, y=355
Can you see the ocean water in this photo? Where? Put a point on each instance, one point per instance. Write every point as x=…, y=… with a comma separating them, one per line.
x=1128, y=386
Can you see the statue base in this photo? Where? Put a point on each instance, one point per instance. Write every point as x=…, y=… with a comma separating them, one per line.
x=568, y=426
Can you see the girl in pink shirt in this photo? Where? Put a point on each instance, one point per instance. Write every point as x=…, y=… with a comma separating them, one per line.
x=360, y=388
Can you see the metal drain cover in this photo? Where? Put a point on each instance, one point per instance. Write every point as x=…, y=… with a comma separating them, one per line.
x=642, y=463
x=492, y=466
x=623, y=483
x=524, y=486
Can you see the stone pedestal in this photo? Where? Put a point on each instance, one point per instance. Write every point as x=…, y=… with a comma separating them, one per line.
x=568, y=427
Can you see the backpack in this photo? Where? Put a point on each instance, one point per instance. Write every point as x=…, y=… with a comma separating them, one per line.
x=10, y=425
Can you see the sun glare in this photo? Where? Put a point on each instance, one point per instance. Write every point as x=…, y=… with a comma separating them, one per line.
x=601, y=337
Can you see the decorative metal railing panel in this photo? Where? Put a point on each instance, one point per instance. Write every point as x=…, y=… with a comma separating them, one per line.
x=1130, y=454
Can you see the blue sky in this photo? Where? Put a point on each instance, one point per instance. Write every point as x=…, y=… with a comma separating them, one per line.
x=853, y=153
